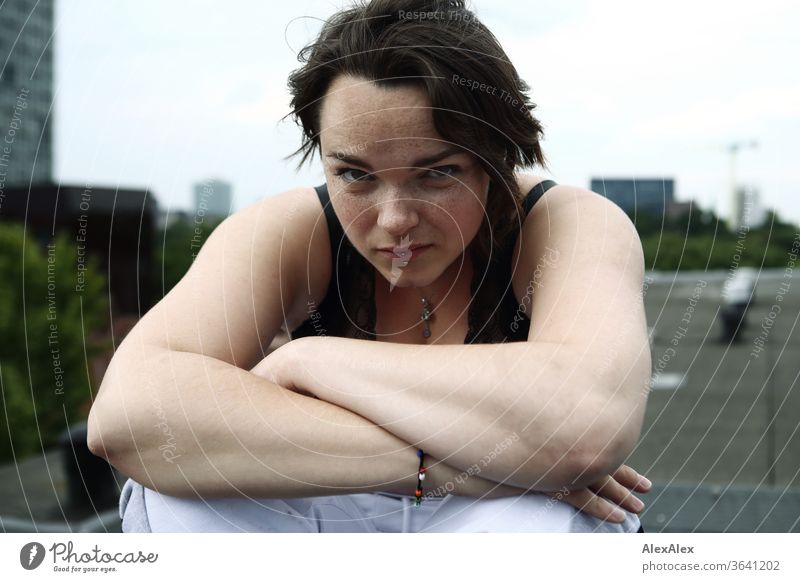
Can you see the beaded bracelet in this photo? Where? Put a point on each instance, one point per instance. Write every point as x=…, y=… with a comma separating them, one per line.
x=420, y=478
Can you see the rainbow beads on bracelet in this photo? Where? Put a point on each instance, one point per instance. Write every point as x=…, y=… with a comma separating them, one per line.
x=420, y=478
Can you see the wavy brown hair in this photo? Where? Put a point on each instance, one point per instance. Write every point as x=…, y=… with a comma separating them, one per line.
x=441, y=46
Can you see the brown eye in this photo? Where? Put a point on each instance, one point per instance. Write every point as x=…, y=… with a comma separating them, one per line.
x=344, y=171
x=443, y=172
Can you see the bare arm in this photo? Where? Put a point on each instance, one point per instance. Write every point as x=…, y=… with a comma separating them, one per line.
x=464, y=403
x=573, y=393
x=202, y=427
x=178, y=409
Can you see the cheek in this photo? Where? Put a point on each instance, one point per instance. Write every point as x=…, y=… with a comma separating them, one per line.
x=464, y=213
x=352, y=209
x=356, y=219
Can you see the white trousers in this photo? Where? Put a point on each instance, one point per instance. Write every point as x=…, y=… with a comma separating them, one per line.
x=144, y=510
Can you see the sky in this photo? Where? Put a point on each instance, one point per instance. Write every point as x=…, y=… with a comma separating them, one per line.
x=162, y=95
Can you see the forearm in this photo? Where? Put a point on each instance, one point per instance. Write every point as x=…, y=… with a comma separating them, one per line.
x=196, y=426
x=462, y=402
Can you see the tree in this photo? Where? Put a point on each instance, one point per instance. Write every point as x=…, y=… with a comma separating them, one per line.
x=46, y=323
x=176, y=247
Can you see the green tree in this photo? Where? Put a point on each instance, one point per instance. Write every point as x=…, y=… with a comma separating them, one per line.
x=703, y=242
x=647, y=223
x=176, y=247
x=46, y=324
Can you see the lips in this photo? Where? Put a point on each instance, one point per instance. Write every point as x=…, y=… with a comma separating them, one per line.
x=398, y=248
x=404, y=252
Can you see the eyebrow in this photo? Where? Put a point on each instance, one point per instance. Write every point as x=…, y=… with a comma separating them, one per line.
x=418, y=163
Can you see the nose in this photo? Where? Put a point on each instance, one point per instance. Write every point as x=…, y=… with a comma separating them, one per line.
x=397, y=215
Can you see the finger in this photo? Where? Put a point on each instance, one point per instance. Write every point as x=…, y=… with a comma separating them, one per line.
x=588, y=502
x=628, y=477
x=610, y=489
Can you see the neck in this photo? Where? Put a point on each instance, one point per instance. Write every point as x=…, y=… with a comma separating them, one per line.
x=451, y=288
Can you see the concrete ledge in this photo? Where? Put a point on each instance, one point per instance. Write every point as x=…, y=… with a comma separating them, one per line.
x=707, y=508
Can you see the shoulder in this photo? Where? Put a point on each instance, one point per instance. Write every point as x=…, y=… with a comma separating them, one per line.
x=573, y=221
x=561, y=194
x=288, y=233
x=246, y=281
x=527, y=181
x=561, y=197
x=311, y=256
x=293, y=207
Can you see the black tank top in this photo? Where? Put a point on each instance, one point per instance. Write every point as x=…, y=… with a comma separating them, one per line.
x=348, y=307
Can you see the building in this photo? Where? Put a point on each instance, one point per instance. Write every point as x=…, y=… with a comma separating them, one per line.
x=678, y=209
x=167, y=217
x=115, y=226
x=747, y=212
x=212, y=198
x=634, y=195
x=26, y=93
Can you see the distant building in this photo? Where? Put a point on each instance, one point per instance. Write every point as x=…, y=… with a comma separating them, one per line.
x=26, y=93
x=653, y=195
x=167, y=217
x=115, y=226
x=747, y=211
x=678, y=209
x=213, y=198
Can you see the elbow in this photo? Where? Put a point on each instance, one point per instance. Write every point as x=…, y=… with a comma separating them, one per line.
x=581, y=453
x=603, y=452
x=112, y=439
x=112, y=431
x=97, y=439
x=608, y=439
x=119, y=422
x=94, y=440
x=123, y=429
x=103, y=435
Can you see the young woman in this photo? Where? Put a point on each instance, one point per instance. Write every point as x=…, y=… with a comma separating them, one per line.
x=360, y=356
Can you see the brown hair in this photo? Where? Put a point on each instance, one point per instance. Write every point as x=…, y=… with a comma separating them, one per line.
x=479, y=101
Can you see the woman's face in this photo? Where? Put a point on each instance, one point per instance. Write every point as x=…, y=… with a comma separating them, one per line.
x=395, y=183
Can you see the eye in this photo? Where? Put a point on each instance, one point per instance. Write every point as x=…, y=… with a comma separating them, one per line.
x=344, y=171
x=443, y=172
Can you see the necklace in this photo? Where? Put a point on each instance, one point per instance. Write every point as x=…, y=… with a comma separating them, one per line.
x=425, y=316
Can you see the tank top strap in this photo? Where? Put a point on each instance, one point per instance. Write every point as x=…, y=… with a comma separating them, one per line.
x=536, y=193
x=335, y=229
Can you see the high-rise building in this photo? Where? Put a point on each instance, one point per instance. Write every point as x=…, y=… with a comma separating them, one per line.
x=652, y=195
x=213, y=198
x=747, y=212
x=26, y=92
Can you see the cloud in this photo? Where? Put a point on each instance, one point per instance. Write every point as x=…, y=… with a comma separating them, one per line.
x=714, y=117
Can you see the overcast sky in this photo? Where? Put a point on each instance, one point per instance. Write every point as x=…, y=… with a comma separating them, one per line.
x=160, y=95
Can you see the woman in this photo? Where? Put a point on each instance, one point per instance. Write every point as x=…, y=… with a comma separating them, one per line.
x=393, y=408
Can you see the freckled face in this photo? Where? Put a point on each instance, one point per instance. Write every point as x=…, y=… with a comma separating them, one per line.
x=395, y=182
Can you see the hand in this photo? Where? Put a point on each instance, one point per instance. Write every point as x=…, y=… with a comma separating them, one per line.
x=604, y=497
x=281, y=367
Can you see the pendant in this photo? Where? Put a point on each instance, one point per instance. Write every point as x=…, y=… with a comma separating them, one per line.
x=426, y=316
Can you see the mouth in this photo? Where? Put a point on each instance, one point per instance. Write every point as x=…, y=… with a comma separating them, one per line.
x=404, y=253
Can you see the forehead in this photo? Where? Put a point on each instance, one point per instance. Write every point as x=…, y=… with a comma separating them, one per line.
x=357, y=112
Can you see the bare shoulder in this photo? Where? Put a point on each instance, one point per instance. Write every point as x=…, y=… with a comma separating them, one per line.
x=558, y=194
x=250, y=280
x=527, y=181
x=576, y=222
x=571, y=199
x=295, y=220
x=294, y=207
